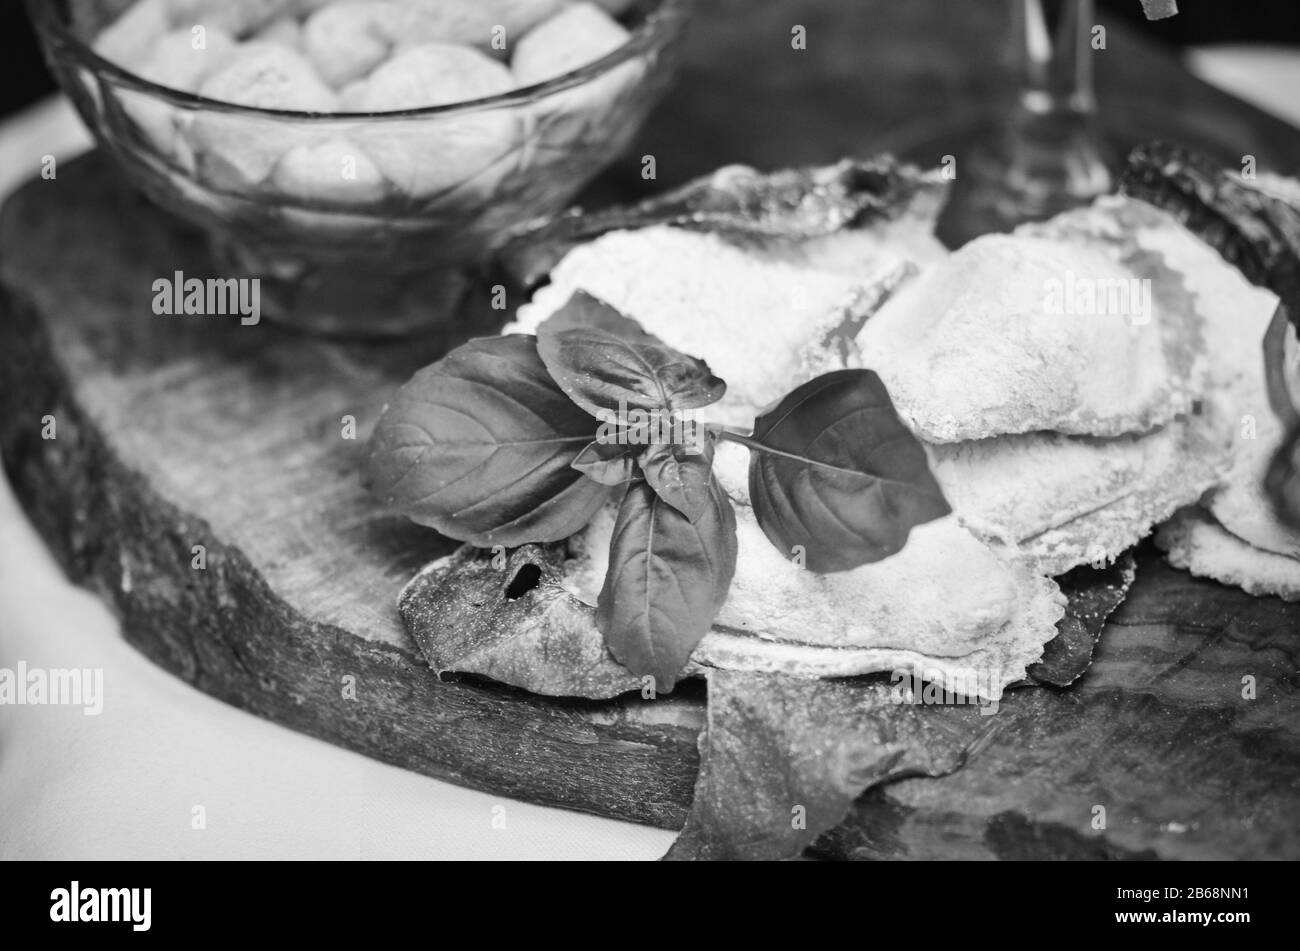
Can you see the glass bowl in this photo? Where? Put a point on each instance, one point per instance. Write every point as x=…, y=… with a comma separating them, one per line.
x=433, y=191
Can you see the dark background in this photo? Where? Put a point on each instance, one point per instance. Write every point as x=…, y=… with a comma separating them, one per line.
x=1198, y=21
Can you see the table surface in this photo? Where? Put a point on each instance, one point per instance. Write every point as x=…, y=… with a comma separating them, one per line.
x=161, y=750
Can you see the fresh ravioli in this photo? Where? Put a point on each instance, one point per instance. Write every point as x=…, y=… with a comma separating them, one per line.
x=946, y=603
x=764, y=323
x=1059, y=435
x=1023, y=333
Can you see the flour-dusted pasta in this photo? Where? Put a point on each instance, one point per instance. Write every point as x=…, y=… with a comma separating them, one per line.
x=426, y=159
x=239, y=150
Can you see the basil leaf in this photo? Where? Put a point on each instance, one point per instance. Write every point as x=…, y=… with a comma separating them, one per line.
x=613, y=364
x=835, y=472
x=667, y=580
x=479, y=446
x=680, y=474
x=607, y=463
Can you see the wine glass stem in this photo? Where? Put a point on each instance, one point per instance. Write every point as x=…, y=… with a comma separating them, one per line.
x=1042, y=154
x=1055, y=151
x=1056, y=71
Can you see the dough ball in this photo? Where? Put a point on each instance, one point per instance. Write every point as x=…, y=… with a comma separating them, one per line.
x=237, y=152
x=177, y=61
x=584, y=116
x=128, y=40
x=434, y=74
x=351, y=96
x=346, y=40
x=184, y=58
x=471, y=22
x=462, y=159
x=270, y=77
x=578, y=35
x=426, y=157
x=335, y=171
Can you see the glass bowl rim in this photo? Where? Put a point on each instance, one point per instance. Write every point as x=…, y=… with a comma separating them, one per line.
x=52, y=30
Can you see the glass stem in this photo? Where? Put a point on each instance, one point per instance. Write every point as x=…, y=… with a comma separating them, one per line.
x=1056, y=71
x=1054, y=151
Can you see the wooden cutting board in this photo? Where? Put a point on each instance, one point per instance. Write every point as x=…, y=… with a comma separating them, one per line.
x=174, y=433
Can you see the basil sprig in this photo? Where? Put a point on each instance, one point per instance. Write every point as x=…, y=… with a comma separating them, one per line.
x=514, y=439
